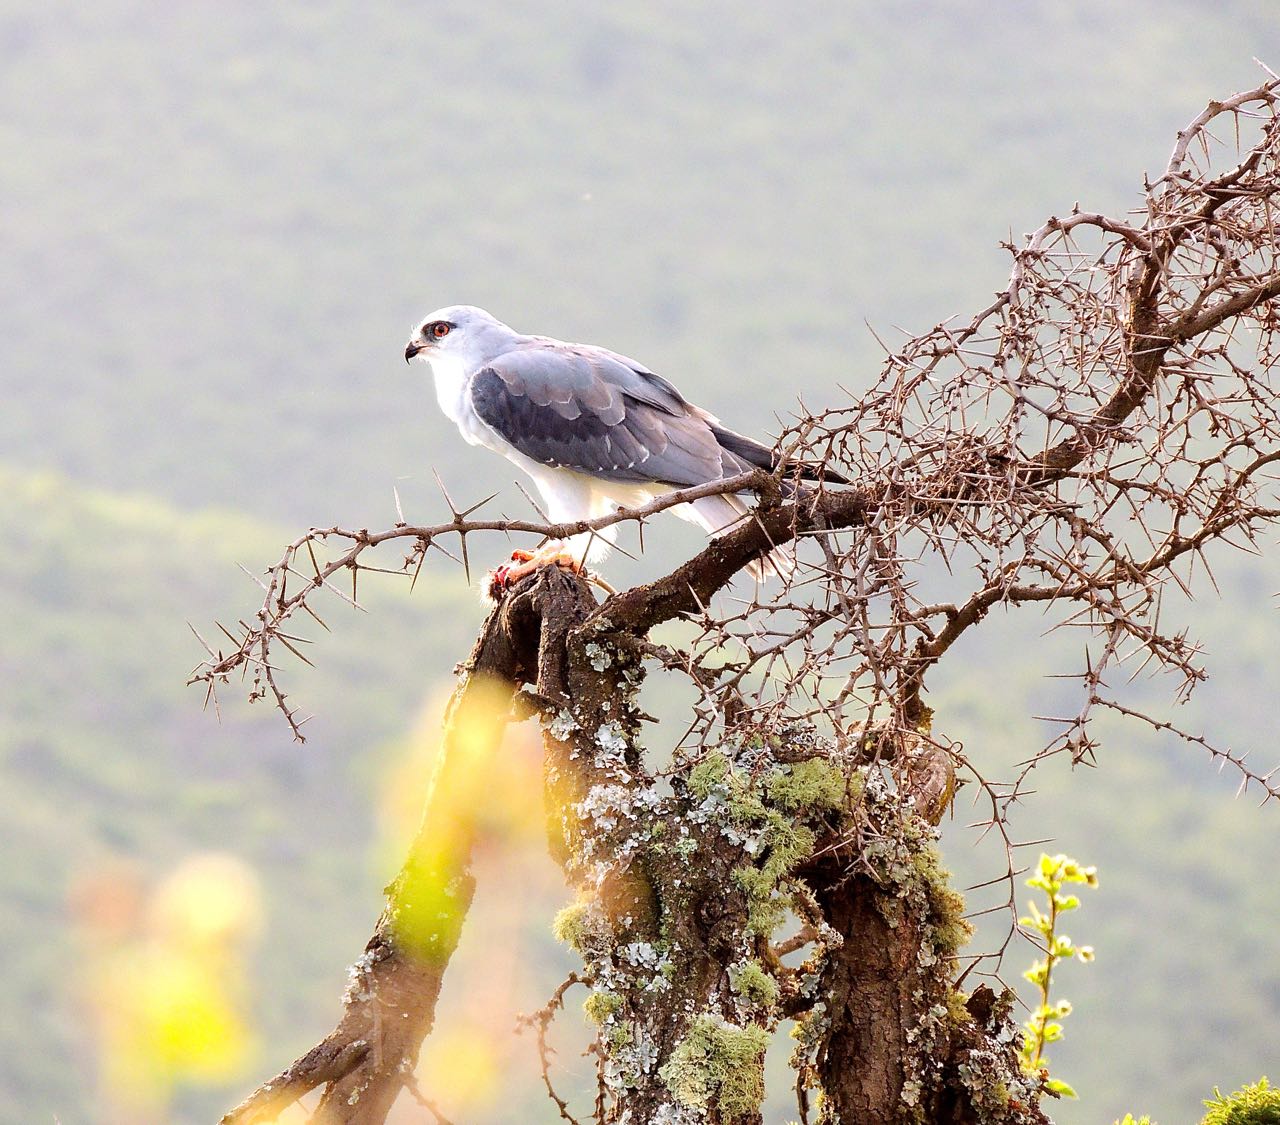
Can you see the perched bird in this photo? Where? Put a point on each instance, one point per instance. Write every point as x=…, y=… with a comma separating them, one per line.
x=595, y=430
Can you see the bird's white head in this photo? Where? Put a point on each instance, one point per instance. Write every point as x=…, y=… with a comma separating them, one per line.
x=462, y=335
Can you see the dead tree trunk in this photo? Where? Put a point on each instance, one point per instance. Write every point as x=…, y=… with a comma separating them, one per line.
x=680, y=890
x=680, y=894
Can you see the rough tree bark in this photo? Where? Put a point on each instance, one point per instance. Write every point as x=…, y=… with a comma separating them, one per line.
x=681, y=886
x=688, y=886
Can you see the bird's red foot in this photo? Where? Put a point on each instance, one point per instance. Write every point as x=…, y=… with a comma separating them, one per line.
x=526, y=562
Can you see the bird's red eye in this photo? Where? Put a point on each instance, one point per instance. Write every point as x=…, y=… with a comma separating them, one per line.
x=439, y=329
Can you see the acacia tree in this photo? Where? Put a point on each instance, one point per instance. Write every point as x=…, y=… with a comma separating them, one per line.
x=1091, y=437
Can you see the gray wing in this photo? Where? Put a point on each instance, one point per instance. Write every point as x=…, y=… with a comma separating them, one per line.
x=599, y=413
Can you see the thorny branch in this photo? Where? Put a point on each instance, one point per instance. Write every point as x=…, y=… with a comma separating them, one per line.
x=299, y=574
x=1083, y=444
x=539, y=1021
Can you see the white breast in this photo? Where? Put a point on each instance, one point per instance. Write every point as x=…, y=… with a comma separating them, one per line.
x=451, y=376
x=453, y=391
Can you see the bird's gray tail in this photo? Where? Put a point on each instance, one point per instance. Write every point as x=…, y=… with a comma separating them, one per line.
x=721, y=514
x=762, y=457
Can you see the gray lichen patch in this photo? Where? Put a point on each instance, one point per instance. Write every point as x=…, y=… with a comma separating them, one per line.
x=756, y=987
x=600, y=657
x=770, y=811
x=583, y=928
x=816, y=786
x=718, y=1063
x=684, y=879
x=602, y=1004
x=986, y=1064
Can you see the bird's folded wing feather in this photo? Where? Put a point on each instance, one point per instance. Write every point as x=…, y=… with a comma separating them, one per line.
x=598, y=413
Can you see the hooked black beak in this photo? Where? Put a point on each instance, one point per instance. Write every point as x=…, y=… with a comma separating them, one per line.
x=412, y=349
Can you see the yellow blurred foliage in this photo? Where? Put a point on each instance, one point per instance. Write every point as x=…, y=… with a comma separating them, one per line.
x=464, y=1067
x=164, y=978
x=498, y=794
x=485, y=793
x=165, y=1018
x=501, y=792
x=208, y=900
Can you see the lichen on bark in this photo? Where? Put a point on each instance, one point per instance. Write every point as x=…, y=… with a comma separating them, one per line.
x=684, y=880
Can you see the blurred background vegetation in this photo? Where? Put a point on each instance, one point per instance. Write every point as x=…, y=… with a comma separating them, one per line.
x=219, y=222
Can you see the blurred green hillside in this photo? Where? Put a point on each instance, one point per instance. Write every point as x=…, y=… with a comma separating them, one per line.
x=218, y=223
x=104, y=754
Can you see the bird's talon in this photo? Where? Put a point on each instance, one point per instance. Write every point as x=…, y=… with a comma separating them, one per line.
x=499, y=581
x=525, y=563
